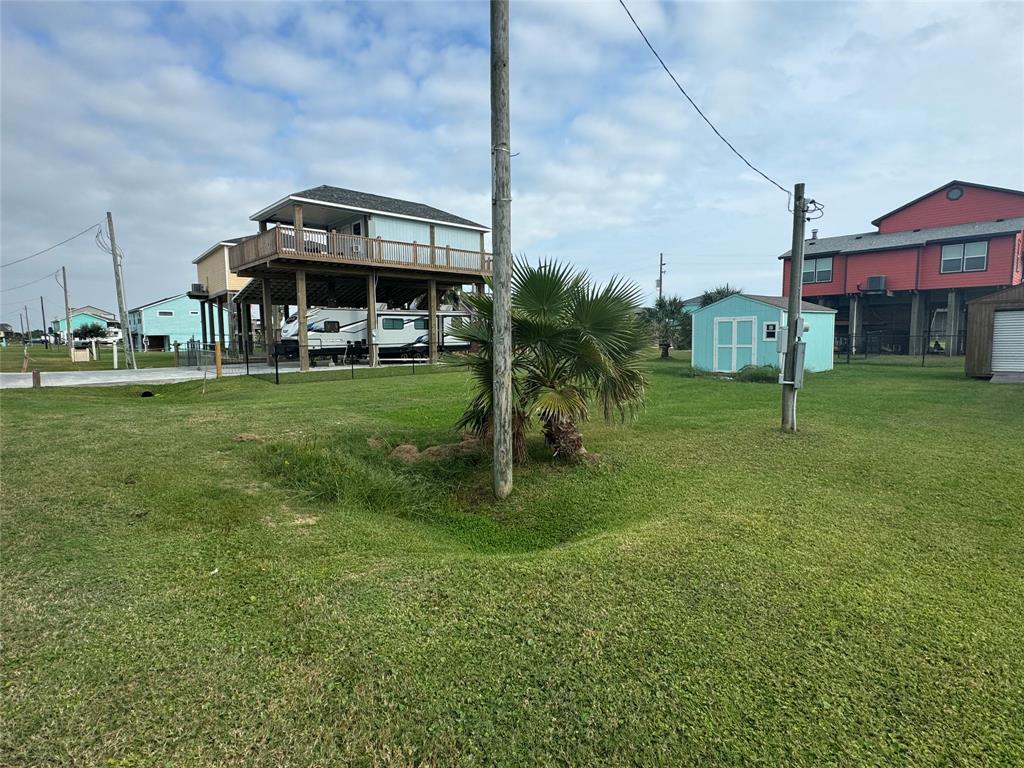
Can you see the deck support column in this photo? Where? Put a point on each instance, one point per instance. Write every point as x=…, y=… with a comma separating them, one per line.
x=220, y=322
x=300, y=300
x=202, y=320
x=918, y=313
x=267, y=321
x=479, y=288
x=432, y=329
x=232, y=321
x=212, y=322
x=371, y=318
x=856, y=326
x=954, y=303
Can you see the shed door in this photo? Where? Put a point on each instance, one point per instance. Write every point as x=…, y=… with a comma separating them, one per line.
x=734, y=343
x=1008, y=341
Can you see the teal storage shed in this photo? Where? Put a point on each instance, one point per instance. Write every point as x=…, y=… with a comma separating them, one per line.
x=743, y=329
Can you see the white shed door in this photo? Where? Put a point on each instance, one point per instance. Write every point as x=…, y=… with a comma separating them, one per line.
x=1008, y=341
x=734, y=343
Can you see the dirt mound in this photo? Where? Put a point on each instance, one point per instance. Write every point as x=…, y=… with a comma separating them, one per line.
x=410, y=453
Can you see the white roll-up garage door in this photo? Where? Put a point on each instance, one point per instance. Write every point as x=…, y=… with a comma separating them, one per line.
x=1008, y=341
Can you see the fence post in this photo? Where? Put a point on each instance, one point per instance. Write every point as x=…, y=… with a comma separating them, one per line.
x=245, y=354
x=352, y=364
x=277, y=373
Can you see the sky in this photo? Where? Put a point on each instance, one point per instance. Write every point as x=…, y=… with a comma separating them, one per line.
x=184, y=119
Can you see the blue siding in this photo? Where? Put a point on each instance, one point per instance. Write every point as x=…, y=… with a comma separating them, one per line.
x=181, y=326
x=408, y=231
x=763, y=351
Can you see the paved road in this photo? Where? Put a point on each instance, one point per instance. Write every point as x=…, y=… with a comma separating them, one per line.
x=124, y=376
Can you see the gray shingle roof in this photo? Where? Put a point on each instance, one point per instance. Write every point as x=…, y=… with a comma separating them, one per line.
x=368, y=201
x=876, y=241
x=782, y=302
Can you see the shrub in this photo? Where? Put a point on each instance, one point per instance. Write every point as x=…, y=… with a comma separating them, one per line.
x=758, y=374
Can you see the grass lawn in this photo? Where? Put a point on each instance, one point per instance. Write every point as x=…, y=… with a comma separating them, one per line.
x=711, y=592
x=57, y=359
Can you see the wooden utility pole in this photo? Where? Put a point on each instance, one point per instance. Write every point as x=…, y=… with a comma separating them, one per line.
x=129, y=348
x=501, y=229
x=661, y=274
x=794, y=323
x=46, y=338
x=28, y=323
x=67, y=314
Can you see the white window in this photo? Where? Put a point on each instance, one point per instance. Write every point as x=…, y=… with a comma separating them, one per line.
x=165, y=313
x=771, y=331
x=964, y=257
x=818, y=270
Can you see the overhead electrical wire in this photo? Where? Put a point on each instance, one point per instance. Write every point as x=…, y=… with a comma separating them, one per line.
x=47, y=250
x=700, y=112
x=31, y=282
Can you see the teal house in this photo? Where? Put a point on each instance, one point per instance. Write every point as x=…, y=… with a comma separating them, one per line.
x=80, y=316
x=161, y=324
x=745, y=329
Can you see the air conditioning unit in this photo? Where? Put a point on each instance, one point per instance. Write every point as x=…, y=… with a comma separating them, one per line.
x=198, y=288
x=875, y=283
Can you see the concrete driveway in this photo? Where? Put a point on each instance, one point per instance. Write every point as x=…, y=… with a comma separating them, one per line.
x=124, y=376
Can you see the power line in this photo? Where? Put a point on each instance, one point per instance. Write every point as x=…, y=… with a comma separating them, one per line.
x=33, y=282
x=682, y=90
x=46, y=250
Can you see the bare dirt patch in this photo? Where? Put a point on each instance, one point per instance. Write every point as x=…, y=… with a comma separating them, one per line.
x=410, y=453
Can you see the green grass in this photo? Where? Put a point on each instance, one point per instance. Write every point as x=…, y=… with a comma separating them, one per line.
x=57, y=359
x=711, y=592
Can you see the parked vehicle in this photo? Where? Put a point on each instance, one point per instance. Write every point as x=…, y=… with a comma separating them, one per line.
x=340, y=334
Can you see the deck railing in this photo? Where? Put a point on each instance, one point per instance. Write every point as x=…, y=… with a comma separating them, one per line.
x=318, y=245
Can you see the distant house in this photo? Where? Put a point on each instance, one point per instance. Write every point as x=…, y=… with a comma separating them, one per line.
x=162, y=323
x=215, y=288
x=691, y=304
x=743, y=329
x=907, y=283
x=87, y=315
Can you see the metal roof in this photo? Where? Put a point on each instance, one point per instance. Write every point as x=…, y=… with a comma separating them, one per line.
x=371, y=203
x=877, y=241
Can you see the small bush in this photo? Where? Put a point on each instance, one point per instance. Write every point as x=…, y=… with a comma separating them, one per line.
x=758, y=374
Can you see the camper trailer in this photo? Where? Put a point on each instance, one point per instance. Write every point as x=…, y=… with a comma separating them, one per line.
x=340, y=334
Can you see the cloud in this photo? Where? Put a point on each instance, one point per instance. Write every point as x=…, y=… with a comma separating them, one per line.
x=184, y=119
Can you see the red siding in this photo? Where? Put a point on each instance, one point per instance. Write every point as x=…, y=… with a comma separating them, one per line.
x=899, y=268
x=1000, y=264
x=937, y=210
x=834, y=288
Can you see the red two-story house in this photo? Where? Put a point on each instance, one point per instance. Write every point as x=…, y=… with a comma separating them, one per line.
x=907, y=283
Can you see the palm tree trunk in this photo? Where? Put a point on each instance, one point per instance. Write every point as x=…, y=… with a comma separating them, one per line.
x=564, y=439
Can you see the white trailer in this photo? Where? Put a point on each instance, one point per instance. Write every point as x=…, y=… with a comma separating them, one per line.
x=340, y=334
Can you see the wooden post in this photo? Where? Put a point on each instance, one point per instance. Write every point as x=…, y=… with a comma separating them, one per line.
x=267, y=321
x=42, y=310
x=432, y=319
x=217, y=362
x=300, y=298
x=501, y=225
x=37, y=380
x=67, y=314
x=300, y=244
x=793, y=323
x=371, y=318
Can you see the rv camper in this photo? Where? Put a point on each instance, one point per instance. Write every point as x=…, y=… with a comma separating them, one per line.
x=340, y=334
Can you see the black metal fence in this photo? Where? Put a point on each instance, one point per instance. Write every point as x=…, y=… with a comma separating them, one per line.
x=915, y=348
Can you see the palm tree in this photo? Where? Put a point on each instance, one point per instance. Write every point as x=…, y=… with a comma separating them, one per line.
x=717, y=294
x=574, y=343
x=669, y=323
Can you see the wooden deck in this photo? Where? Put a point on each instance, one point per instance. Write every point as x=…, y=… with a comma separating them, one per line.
x=322, y=247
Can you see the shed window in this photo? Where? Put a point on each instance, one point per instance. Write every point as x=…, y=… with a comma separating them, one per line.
x=771, y=331
x=964, y=257
x=818, y=270
x=165, y=313
x=421, y=324
x=393, y=324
